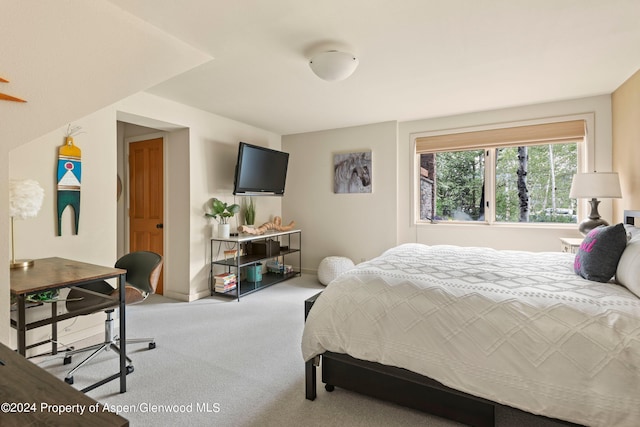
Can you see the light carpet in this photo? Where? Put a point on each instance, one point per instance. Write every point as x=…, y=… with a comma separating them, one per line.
x=220, y=362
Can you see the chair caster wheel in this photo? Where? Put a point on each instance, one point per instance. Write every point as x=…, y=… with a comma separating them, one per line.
x=68, y=380
x=329, y=388
x=129, y=369
x=152, y=345
x=67, y=360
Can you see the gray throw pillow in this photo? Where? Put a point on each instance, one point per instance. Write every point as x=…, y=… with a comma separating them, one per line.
x=600, y=252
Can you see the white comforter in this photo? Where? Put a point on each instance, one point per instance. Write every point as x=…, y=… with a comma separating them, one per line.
x=517, y=328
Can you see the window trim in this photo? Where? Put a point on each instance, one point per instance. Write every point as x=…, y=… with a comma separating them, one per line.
x=586, y=161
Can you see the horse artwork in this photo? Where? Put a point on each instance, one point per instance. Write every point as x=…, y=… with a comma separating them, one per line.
x=352, y=172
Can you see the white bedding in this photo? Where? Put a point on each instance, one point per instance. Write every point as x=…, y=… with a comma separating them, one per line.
x=517, y=328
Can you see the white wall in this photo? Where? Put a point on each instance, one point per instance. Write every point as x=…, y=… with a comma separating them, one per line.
x=358, y=226
x=503, y=236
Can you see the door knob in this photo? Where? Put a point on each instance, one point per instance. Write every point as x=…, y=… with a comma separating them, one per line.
x=159, y=225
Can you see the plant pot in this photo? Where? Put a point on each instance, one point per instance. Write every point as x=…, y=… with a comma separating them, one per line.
x=224, y=230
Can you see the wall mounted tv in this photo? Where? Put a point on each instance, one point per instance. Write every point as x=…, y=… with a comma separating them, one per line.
x=260, y=171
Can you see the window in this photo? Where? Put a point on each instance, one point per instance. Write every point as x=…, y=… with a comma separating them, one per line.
x=508, y=175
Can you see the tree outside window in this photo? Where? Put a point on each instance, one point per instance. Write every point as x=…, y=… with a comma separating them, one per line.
x=532, y=184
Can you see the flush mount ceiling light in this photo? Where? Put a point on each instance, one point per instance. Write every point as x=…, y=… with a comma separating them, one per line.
x=333, y=65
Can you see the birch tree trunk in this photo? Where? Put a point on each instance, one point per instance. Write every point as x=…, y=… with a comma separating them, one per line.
x=523, y=192
x=552, y=173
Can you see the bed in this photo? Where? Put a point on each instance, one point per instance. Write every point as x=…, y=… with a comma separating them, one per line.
x=457, y=330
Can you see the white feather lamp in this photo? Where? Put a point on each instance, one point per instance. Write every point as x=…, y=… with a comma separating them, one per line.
x=25, y=200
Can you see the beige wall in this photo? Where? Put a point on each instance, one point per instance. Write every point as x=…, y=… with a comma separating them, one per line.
x=362, y=226
x=201, y=156
x=95, y=242
x=625, y=106
x=358, y=226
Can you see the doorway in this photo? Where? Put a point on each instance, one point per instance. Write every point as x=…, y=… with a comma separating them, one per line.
x=145, y=180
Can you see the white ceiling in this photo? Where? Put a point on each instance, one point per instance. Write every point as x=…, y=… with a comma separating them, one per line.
x=418, y=58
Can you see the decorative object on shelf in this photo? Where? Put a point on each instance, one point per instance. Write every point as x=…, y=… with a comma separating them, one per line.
x=230, y=254
x=254, y=272
x=221, y=211
x=69, y=177
x=594, y=185
x=249, y=211
x=5, y=97
x=352, y=172
x=333, y=266
x=25, y=200
x=333, y=65
x=275, y=225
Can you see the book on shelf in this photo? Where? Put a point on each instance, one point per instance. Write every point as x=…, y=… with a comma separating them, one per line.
x=223, y=290
x=225, y=277
x=225, y=282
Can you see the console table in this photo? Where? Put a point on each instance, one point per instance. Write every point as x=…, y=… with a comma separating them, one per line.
x=56, y=273
x=273, y=245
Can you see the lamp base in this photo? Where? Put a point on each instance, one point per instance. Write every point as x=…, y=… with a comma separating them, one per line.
x=594, y=219
x=21, y=263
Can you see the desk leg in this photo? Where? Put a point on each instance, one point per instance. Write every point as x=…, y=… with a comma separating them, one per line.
x=54, y=327
x=123, y=335
x=22, y=325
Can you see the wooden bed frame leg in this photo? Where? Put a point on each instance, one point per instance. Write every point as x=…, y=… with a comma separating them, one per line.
x=310, y=379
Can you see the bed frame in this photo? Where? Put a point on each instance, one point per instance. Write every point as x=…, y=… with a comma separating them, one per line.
x=396, y=385
x=402, y=386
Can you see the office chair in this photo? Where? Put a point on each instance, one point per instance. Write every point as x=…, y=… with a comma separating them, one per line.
x=143, y=272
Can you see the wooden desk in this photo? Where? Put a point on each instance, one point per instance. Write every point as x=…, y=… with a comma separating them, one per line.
x=28, y=394
x=55, y=273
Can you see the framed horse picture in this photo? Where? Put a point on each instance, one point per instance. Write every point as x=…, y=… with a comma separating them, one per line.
x=352, y=172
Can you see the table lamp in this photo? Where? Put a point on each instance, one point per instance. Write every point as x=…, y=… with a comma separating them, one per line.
x=25, y=200
x=593, y=186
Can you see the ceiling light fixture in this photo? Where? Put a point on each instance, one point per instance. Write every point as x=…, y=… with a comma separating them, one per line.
x=333, y=65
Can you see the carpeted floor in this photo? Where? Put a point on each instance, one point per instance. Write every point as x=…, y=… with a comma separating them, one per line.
x=223, y=363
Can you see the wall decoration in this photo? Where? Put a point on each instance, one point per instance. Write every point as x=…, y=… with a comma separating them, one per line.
x=5, y=97
x=69, y=177
x=352, y=172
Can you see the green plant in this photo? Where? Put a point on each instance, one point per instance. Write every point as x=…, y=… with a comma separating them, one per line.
x=221, y=211
x=249, y=211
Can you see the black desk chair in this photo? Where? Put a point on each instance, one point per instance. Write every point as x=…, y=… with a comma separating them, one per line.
x=143, y=272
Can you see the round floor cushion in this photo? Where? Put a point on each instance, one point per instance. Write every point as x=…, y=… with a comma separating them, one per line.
x=333, y=266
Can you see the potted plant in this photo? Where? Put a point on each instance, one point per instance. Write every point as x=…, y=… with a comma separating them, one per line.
x=221, y=211
x=249, y=211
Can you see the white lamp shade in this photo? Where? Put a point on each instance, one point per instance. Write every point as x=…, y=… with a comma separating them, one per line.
x=333, y=65
x=25, y=198
x=601, y=185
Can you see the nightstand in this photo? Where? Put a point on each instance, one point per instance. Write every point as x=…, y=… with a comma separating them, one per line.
x=570, y=245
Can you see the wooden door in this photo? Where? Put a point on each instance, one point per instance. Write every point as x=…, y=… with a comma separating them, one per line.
x=146, y=205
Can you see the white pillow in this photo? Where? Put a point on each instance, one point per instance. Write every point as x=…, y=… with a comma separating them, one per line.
x=628, y=271
x=632, y=231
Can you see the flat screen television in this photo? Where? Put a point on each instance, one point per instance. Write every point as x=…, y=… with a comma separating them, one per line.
x=260, y=171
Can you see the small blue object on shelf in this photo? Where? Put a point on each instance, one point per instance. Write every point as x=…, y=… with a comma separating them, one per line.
x=254, y=273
